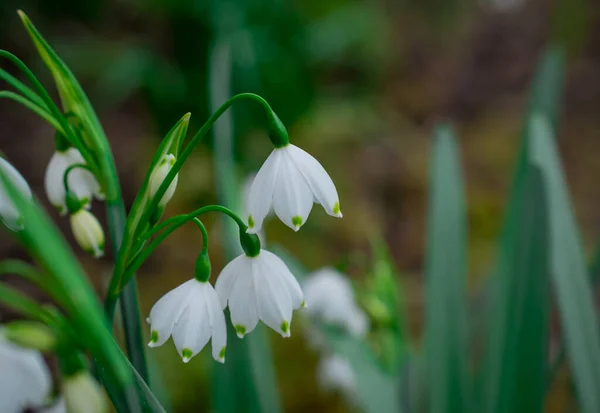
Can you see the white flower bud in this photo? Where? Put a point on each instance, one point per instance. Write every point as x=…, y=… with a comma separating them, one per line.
x=83, y=394
x=158, y=176
x=88, y=232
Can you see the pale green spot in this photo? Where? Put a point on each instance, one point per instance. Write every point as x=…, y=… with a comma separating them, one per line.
x=285, y=327
x=303, y=304
x=250, y=221
x=154, y=337
x=297, y=221
x=336, y=208
x=186, y=353
x=222, y=352
x=240, y=330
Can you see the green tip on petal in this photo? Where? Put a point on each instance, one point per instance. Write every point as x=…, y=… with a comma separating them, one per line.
x=240, y=330
x=250, y=221
x=303, y=305
x=285, y=328
x=186, y=354
x=336, y=210
x=154, y=337
x=222, y=353
x=297, y=222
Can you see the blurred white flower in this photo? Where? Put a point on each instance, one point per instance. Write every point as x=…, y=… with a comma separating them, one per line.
x=88, y=232
x=504, y=5
x=24, y=378
x=192, y=314
x=9, y=214
x=81, y=181
x=82, y=393
x=290, y=181
x=335, y=373
x=158, y=176
x=57, y=406
x=330, y=298
x=259, y=288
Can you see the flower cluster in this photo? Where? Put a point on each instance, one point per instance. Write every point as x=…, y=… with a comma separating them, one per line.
x=257, y=285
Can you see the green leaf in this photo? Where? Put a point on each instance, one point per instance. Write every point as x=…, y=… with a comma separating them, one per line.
x=567, y=264
x=445, y=335
x=514, y=379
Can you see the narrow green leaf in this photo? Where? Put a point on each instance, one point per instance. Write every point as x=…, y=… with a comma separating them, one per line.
x=445, y=335
x=567, y=265
x=514, y=379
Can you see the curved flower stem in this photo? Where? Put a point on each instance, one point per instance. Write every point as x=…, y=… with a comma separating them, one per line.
x=169, y=226
x=69, y=169
x=43, y=113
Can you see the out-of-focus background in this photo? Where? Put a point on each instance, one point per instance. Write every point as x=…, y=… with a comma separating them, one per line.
x=359, y=84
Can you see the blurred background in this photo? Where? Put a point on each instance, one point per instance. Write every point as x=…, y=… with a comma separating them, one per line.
x=359, y=84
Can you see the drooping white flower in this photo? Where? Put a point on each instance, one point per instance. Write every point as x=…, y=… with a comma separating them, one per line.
x=88, y=232
x=81, y=182
x=24, y=378
x=246, y=186
x=330, y=298
x=192, y=314
x=8, y=212
x=158, y=176
x=83, y=394
x=335, y=373
x=290, y=181
x=259, y=288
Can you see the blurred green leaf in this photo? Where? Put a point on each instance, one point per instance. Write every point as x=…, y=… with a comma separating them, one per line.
x=567, y=265
x=445, y=334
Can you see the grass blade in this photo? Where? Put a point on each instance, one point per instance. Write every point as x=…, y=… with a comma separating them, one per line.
x=445, y=336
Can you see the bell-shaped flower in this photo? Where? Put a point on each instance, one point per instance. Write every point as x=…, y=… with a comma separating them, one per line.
x=335, y=373
x=158, y=176
x=330, y=298
x=81, y=181
x=25, y=381
x=82, y=393
x=8, y=212
x=290, y=181
x=259, y=288
x=192, y=314
x=88, y=232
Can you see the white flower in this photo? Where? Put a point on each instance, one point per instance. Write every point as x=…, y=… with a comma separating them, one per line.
x=290, y=181
x=88, y=232
x=24, y=378
x=57, y=406
x=259, y=288
x=9, y=214
x=330, y=298
x=192, y=314
x=83, y=394
x=81, y=182
x=158, y=176
x=246, y=186
x=335, y=373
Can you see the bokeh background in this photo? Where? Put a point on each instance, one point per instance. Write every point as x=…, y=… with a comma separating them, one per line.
x=359, y=84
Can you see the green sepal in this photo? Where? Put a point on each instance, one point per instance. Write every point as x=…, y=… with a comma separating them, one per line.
x=250, y=243
x=31, y=334
x=70, y=361
x=72, y=202
x=203, y=267
x=277, y=131
x=61, y=143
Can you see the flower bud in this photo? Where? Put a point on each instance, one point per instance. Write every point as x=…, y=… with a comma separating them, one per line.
x=158, y=176
x=88, y=232
x=203, y=267
x=31, y=334
x=83, y=394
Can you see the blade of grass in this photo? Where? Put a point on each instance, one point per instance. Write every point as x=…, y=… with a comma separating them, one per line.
x=445, y=334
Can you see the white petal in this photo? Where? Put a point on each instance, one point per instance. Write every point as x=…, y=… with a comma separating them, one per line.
x=85, y=180
x=335, y=372
x=318, y=180
x=274, y=299
x=279, y=267
x=219, y=328
x=53, y=181
x=193, y=329
x=238, y=267
x=25, y=380
x=167, y=311
x=260, y=196
x=357, y=323
x=243, y=302
x=292, y=199
x=8, y=212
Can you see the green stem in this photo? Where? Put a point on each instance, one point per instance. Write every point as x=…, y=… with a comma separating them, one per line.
x=129, y=302
x=24, y=305
x=31, y=274
x=20, y=86
x=69, y=169
x=43, y=113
